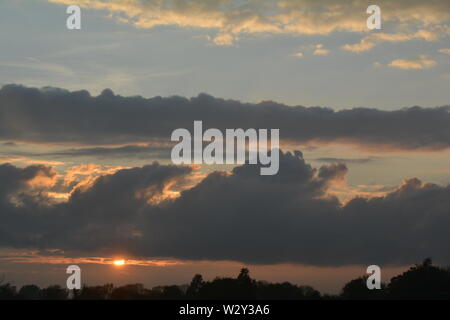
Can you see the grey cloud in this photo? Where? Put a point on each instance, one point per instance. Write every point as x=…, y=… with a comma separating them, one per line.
x=23, y=213
x=160, y=151
x=90, y=220
x=9, y=144
x=344, y=160
x=15, y=179
x=291, y=218
x=56, y=115
x=242, y=216
x=133, y=151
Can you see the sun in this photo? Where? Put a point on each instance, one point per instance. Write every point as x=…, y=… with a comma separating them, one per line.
x=119, y=262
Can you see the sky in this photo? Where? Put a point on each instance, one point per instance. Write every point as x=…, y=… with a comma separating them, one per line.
x=86, y=117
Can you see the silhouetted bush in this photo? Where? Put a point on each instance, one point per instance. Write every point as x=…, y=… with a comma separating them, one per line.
x=357, y=290
x=30, y=292
x=128, y=292
x=423, y=281
x=94, y=293
x=286, y=291
x=54, y=293
x=8, y=292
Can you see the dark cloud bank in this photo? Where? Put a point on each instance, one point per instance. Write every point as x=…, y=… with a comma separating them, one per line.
x=240, y=216
x=56, y=115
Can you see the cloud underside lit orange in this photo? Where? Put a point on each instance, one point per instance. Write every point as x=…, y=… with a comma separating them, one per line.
x=51, y=259
x=232, y=20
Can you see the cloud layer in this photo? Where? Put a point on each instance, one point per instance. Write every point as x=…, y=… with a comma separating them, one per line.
x=234, y=19
x=238, y=216
x=57, y=115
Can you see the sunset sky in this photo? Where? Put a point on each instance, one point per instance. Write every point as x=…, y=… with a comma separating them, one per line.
x=86, y=116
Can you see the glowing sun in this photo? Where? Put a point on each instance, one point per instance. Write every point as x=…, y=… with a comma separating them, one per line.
x=119, y=262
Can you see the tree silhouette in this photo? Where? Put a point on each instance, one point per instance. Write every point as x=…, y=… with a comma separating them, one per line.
x=54, y=293
x=94, y=293
x=128, y=292
x=422, y=281
x=195, y=286
x=168, y=293
x=285, y=291
x=357, y=290
x=7, y=292
x=244, y=276
x=30, y=292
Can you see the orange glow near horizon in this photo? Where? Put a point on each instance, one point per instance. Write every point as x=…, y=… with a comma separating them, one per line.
x=119, y=262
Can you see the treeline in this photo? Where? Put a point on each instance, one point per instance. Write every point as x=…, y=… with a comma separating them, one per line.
x=422, y=281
